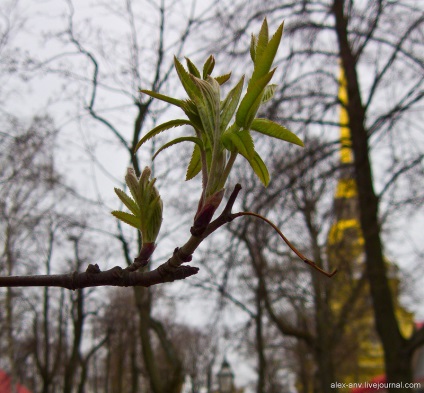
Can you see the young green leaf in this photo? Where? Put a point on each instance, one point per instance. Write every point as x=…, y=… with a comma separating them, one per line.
x=187, y=82
x=259, y=168
x=262, y=41
x=208, y=66
x=251, y=99
x=195, y=164
x=242, y=140
x=230, y=103
x=154, y=219
x=192, y=112
x=251, y=113
x=209, y=104
x=145, y=186
x=132, y=183
x=253, y=43
x=146, y=206
x=162, y=97
x=160, y=128
x=223, y=78
x=128, y=219
x=275, y=130
x=193, y=139
x=269, y=92
x=263, y=61
x=127, y=201
x=192, y=68
x=210, y=94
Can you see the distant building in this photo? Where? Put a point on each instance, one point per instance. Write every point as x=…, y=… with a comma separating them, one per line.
x=225, y=379
x=223, y=383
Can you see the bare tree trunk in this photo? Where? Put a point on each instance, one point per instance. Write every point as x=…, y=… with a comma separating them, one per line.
x=324, y=343
x=143, y=302
x=209, y=377
x=10, y=339
x=259, y=264
x=262, y=364
x=9, y=315
x=78, y=325
x=85, y=365
x=107, y=380
x=175, y=377
x=78, y=317
x=397, y=359
x=46, y=333
x=134, y=369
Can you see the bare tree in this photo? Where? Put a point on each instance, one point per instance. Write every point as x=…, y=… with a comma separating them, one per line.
x=123, y=77
x=398, y=350
x=281, y=299
x=378, y=44
x=34, y=212
x=28, y=179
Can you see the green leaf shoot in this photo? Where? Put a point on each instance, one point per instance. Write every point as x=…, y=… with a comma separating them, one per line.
x=275, y=130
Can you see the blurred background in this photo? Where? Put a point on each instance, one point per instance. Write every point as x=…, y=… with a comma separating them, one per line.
x=255, y=318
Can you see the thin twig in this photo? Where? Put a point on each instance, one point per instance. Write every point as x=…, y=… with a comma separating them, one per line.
x=293, y=248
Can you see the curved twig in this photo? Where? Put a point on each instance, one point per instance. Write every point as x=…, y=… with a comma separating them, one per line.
x=293, y=248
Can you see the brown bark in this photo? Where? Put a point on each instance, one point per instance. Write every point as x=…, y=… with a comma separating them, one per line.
x=397, y=358
x=260, y=341
x=78, y=325
x=9, y=313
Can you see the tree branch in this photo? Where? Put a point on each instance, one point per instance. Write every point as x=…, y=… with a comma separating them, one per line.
x=94, y=277
x=92, y=59
x=390, y=61
x=169, y=271
x=395, y=174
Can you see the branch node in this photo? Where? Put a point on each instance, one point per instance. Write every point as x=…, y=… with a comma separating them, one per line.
x=117, y=271
x=93, y=269
x=171, y=273
x=183, y=257
x=197, y=231
x=143, y=257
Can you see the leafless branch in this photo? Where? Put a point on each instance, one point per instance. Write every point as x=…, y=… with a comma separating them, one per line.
x=92, y=59
x=392, y=58
x=395, y=175
x=371, y=30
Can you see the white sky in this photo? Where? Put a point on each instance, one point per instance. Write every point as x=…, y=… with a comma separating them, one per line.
x=35, y=96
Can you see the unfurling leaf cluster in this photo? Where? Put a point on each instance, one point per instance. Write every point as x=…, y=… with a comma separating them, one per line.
x=145, y=205
x=222, y=127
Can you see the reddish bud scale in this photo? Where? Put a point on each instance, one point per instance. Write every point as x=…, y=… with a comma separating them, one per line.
x=145, y=254
x=202, y=220
x=205, y=214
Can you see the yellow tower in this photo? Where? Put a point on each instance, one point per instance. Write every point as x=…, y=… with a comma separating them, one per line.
x=364, y=355
x=345, y=235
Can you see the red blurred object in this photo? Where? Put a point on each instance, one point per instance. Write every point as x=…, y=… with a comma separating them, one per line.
x=370, y=387
x=418, y=371
x=5, y=384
